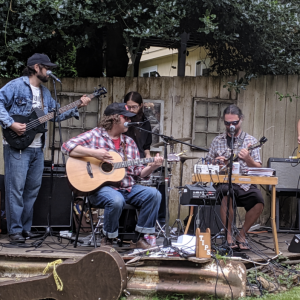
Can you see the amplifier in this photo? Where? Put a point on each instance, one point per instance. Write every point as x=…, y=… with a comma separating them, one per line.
x=198, y=195
x=288, y=173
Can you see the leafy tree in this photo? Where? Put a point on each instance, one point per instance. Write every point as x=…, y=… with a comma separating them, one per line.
x=250, y=35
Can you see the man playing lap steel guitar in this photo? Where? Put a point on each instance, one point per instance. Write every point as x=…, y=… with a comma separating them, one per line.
x=246, y=195
x=24, y=166
x=96, y=143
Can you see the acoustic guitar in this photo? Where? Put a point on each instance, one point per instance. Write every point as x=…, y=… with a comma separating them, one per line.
x=34, y=123
x=87, y=174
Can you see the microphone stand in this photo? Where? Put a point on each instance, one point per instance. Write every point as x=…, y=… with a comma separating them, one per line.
x=48, y=231
x=230, y=186
x=166, y=139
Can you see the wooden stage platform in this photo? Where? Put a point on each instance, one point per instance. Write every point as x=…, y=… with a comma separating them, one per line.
x=52, y=249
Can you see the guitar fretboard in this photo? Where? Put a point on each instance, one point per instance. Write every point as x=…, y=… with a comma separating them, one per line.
x=50, y=116
x=133, y=162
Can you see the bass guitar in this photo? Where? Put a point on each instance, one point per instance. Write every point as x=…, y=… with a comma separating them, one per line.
x=34, y=123
x=87, y=174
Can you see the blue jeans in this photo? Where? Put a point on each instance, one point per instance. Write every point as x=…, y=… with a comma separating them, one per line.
x=23, y=178
x=146, y=198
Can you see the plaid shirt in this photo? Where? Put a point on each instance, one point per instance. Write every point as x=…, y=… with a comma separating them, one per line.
x=219, y=147
x=98, y=138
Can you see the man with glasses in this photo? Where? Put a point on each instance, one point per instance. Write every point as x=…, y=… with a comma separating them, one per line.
x=142, y=139
x=98, y=142
x=24, y=168
x=245, y=195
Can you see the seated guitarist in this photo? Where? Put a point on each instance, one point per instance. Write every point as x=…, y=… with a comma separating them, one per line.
x=97, y=143
x=246, y=195
x=24, y=168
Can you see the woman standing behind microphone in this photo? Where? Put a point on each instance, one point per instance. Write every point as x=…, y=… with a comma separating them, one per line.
x=143, y=139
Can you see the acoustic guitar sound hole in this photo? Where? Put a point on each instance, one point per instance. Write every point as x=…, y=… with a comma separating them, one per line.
x=106, y=167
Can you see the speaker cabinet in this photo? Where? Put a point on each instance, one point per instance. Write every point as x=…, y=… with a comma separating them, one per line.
x=288, y=172
x=61, y=203
x=209, y=216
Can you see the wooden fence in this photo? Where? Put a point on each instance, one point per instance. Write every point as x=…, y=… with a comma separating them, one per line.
x=264, y=113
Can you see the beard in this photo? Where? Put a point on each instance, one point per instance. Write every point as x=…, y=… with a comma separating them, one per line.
x=139, y=115
x=42, y=78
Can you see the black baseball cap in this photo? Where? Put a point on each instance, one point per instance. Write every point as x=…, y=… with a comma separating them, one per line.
x=40, y=58
x=118, y=109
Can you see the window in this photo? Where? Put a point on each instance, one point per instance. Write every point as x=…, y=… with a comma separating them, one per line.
x=202, y=67
x=149, y=72
x=207, y=120
x=88, y=118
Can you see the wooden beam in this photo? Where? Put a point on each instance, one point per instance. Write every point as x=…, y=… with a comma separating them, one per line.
x=182, y=54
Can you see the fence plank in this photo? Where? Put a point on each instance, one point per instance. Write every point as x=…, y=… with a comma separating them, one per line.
x=155, y=88
x=176, y=130
x=144, y=87
x=270, y=118
x=224, y=93
x=118, y=89
x=248, y=105
x=105, y=101
x=214, y=87
x=290, y=140
x=131, y=85
x=80, y=85
x=202, y=86
x=280, y=112
x=259, y=108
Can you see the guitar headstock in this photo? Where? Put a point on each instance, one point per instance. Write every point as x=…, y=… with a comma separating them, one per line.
x=100, y=91
x=263, y=140
x=259, y=144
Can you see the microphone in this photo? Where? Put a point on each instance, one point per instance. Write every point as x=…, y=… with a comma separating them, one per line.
x=49, y=73
x=232, y=128
x=128, y=124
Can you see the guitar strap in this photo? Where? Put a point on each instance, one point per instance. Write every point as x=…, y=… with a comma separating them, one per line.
x=240, y=140
x=124, y=149
x=42, y=98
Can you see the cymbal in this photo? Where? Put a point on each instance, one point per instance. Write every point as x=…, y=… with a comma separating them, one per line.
x=172, y=142
x=183, y=158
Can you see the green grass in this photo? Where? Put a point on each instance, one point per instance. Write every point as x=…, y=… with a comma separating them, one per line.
x=292, y=294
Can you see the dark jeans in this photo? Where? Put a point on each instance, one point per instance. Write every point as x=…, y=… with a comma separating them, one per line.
x=146, y=198
x=23, y=178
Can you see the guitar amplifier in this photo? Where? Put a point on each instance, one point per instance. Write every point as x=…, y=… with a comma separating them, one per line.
x=198, y=195
x=58, y=168
x=288, y=173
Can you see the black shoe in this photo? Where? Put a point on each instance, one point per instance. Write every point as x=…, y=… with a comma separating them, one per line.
x=29, y=234
x=17, y=237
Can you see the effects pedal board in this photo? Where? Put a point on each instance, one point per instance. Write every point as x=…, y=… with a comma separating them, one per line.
x=206, y=169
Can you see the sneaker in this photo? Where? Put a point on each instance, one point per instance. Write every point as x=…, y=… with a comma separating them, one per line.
x=140, y=244
x=105, y=241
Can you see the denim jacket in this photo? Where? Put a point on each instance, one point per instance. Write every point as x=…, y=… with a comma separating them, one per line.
x=16, y=99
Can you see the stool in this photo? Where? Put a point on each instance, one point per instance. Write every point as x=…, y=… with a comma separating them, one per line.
x=122, y=234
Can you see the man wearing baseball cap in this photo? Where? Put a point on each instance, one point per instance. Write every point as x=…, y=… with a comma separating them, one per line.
x=98, y=143
x=24, y=169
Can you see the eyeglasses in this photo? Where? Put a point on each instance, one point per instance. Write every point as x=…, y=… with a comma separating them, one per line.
x=46, y=67
x=133, y=107
x=233, y=123
x=125, y=118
